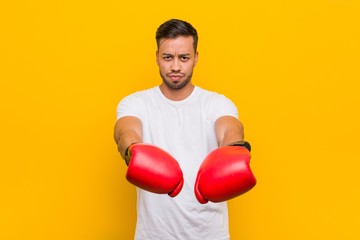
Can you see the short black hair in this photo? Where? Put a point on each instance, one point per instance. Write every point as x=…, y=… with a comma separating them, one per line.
x=174, y=28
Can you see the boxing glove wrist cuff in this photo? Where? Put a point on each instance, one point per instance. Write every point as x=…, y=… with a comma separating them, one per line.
x=128, y=154
x=244, y=144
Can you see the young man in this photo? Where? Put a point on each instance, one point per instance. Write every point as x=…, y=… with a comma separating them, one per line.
x=183, y=146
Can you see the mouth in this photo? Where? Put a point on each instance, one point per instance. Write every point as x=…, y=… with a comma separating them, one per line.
x=175, y=77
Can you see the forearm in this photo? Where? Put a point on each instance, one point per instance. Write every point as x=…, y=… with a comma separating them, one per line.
x=231, y=136
x=125, y=140
x=128, y=130
x=229, y=130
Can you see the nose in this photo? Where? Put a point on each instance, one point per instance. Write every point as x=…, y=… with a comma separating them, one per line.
x=175, y=66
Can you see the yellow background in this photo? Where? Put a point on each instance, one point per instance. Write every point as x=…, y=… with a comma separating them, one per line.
x=291, y=67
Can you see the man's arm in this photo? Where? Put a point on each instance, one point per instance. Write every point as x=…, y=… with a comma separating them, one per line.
x=225, y=172
x=127, y=130
x=228, y=130
x=149, y=167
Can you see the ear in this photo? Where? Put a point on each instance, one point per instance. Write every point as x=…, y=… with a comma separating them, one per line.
x=196, y=58
x=157, y=57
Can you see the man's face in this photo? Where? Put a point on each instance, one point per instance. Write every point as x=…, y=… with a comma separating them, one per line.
x=176, y=59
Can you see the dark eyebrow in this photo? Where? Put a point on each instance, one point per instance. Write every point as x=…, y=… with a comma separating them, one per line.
x=181, y=55
x=184, y=55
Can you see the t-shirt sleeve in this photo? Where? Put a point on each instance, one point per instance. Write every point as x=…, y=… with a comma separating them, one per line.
x=222, y=106
x=129, y=106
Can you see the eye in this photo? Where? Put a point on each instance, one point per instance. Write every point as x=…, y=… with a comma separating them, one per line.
x=184, y=58
x=167, y=57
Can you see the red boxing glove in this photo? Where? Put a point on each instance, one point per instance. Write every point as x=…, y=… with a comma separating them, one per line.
x=224, y=174
x=153, y=169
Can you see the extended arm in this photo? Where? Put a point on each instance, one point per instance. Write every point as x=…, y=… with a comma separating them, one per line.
x=225, y=173
x=149, y=167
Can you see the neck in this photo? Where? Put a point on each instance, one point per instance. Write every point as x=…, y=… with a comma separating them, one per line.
x=177, y=94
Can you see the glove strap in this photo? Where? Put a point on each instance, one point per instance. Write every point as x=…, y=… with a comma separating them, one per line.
x=244, y=144
x=128, y=154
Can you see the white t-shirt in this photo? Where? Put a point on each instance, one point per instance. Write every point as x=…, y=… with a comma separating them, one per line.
x=185, y=129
